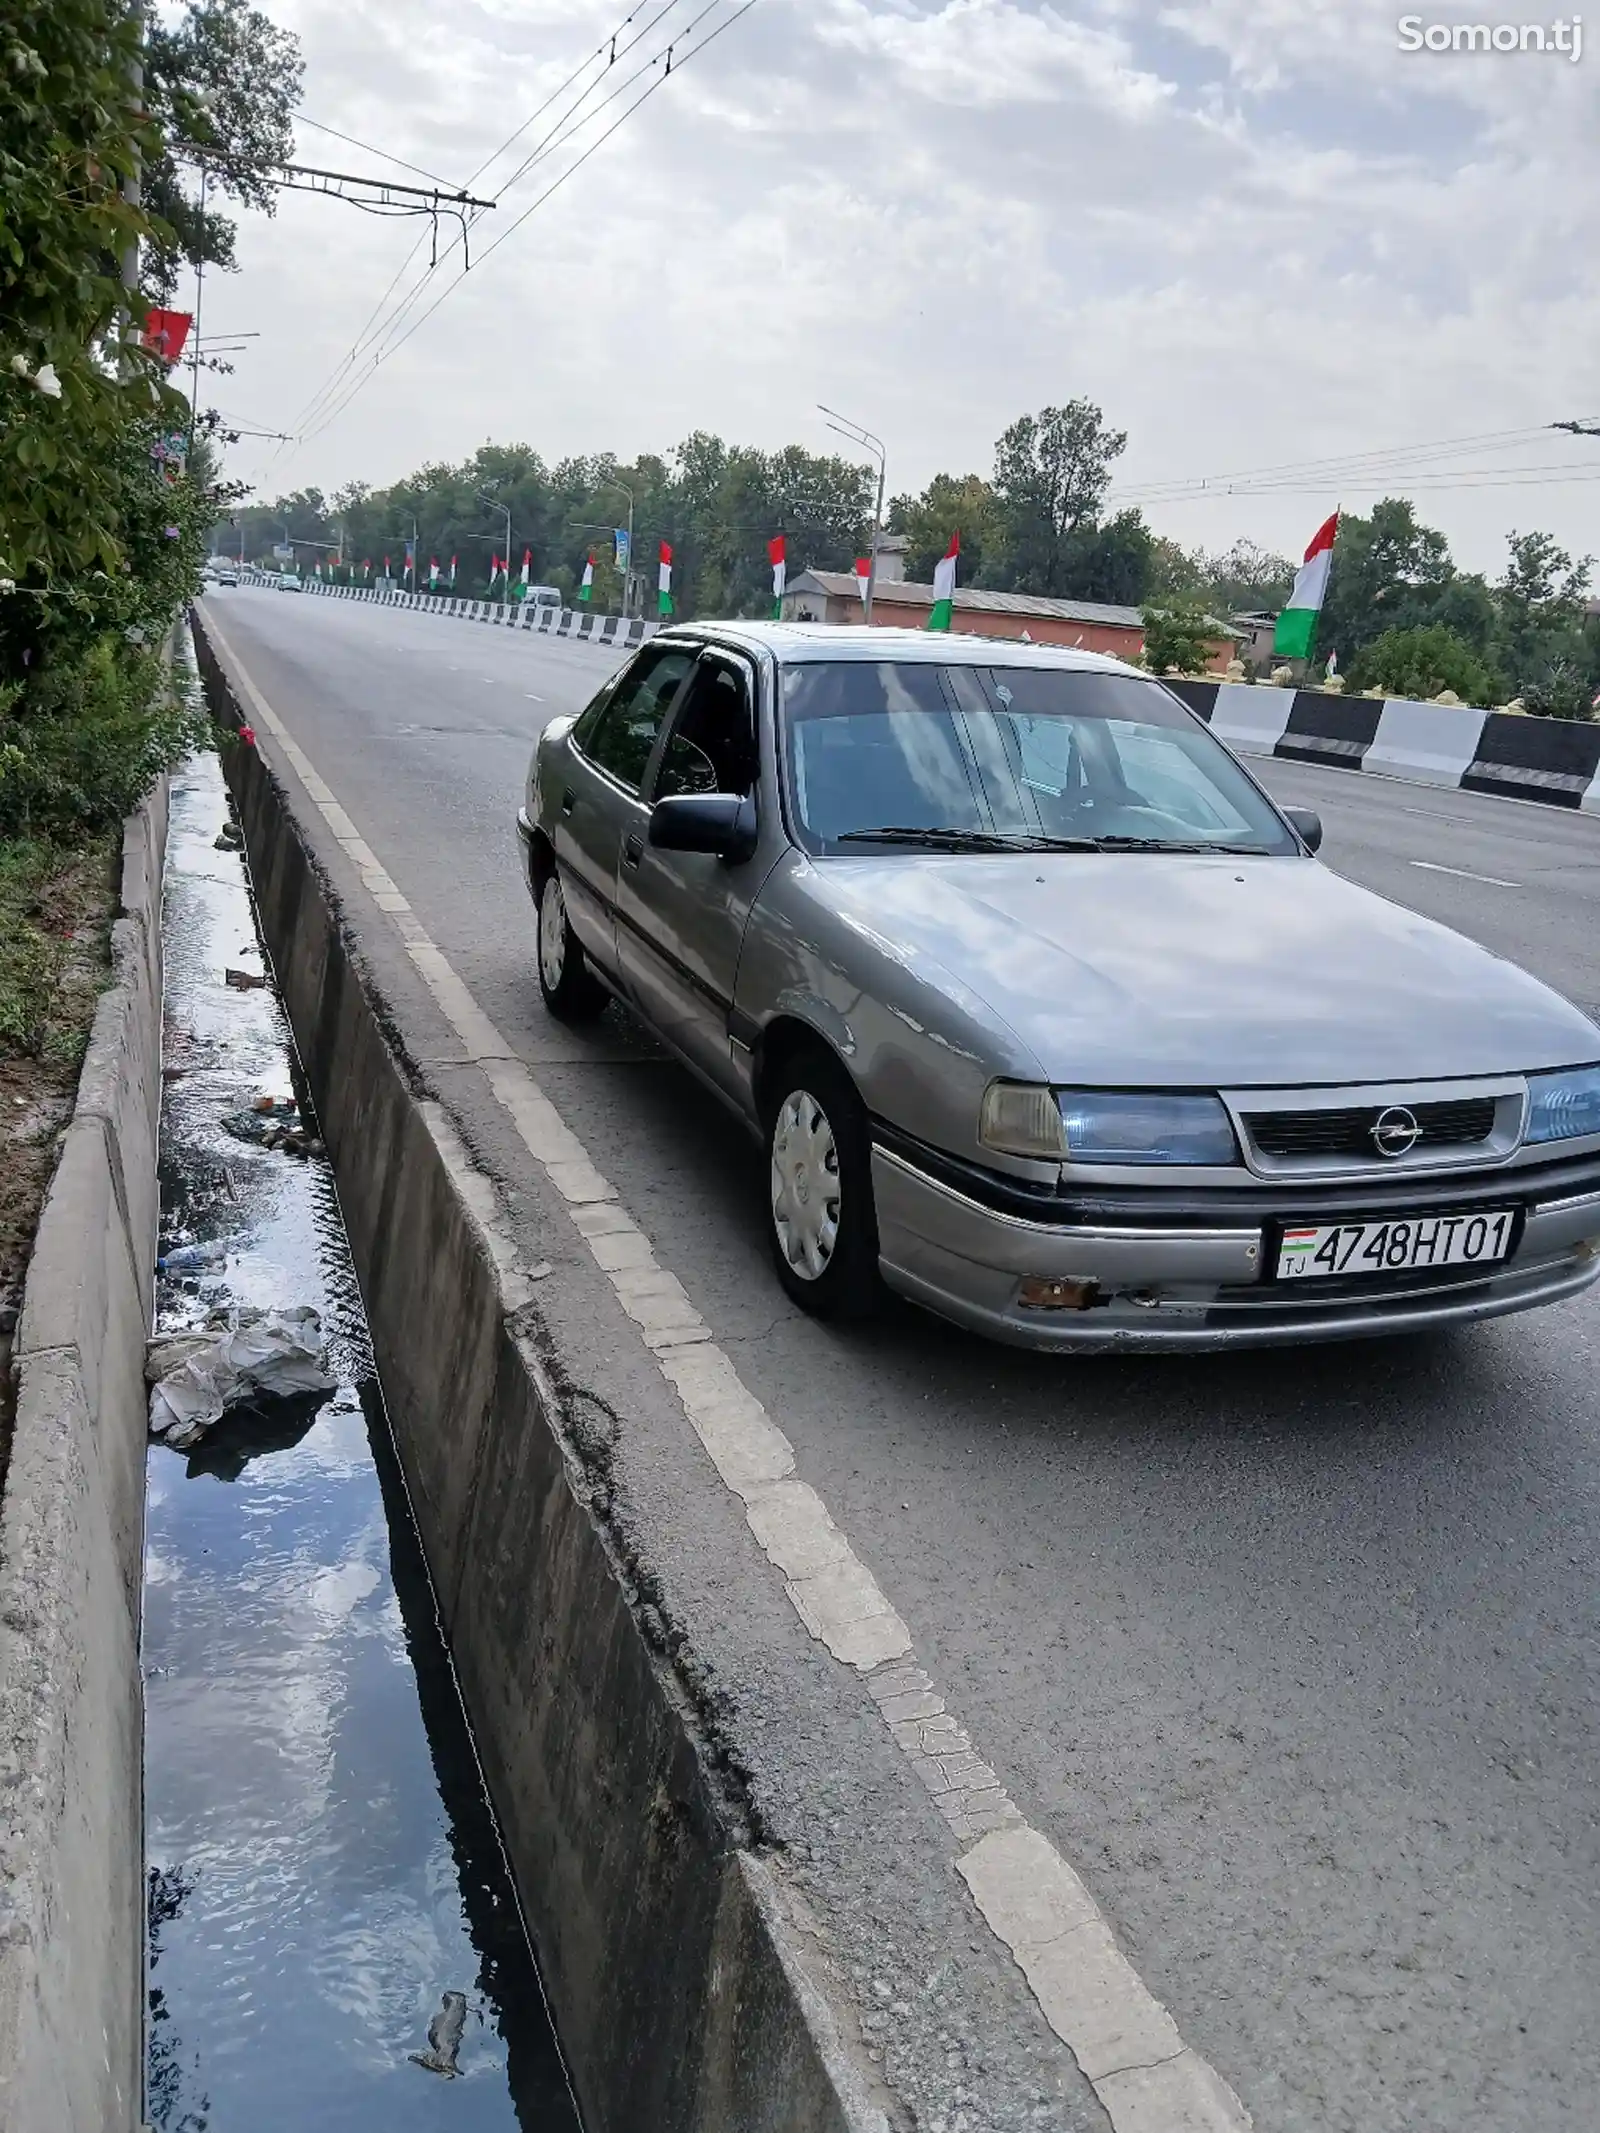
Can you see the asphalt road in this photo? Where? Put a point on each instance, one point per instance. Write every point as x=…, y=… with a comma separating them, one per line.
x=1293, y=1655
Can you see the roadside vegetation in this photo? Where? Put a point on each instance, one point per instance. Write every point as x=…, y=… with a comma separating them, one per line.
x=108, y=487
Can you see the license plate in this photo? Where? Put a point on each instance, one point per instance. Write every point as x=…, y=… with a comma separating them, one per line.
x=1393, y=1247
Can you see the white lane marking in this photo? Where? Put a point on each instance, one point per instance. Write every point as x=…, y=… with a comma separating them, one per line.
x=1432, y=866
x=1094, y=2000
x=1432, y=814
x=528, y=693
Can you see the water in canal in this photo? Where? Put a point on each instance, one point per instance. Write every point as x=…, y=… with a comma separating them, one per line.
x=325, y=1876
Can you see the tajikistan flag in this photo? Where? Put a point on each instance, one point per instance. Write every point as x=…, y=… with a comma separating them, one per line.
x=433, y=572
x=778, y=556
x=522, y=574
x=586, y=589
x=944, y=585
x=1297, y=625
x=664, y=605
x=863, y=573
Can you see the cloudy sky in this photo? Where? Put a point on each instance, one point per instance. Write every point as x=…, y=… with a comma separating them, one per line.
x=1257, y=232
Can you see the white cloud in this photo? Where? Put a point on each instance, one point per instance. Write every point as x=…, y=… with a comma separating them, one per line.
x=1254, y=232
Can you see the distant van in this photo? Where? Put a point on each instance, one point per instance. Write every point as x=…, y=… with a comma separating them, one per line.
x=542, y=596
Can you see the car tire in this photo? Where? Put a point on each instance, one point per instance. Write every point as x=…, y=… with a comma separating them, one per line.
x=822, y=1223
x=570, y=988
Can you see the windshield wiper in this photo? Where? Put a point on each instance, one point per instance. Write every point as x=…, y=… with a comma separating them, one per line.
x=968, y=840
x=1176, y=844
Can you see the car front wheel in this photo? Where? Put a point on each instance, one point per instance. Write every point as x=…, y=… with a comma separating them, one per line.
x=819, y=1158
x=571, y=990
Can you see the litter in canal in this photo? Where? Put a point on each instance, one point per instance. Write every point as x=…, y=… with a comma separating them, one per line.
x=335, y=1940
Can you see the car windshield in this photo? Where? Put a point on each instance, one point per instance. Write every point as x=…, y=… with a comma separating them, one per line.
x=900, y=753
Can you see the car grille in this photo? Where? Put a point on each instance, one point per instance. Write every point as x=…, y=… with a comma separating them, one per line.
x=1457, y=1124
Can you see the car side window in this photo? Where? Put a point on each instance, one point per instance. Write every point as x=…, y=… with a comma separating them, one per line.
x=625, y=730
x=712, y=745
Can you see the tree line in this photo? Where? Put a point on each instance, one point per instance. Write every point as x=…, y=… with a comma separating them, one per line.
x=1401, y=617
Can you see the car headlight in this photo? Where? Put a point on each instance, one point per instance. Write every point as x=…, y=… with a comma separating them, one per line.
x=1563, y=1106
x=1105, y=1126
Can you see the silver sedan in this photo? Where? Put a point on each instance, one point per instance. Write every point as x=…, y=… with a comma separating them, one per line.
x=1047, y=1016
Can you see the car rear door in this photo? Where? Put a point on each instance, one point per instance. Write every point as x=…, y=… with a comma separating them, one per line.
x=599, y=779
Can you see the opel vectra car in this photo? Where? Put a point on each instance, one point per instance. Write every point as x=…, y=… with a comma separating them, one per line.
x=1046, y=1015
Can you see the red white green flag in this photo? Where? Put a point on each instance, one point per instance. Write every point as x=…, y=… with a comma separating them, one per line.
x=944, y=586
x=452, y=573
x=433, y=572
x=863, y=572
x=1297, y=625
x=494, y=572
x=778, y=556
x=522, y=574
x=586, y=589
x=664, y=598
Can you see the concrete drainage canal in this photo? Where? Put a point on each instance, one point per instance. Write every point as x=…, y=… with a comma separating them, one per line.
x=334, y=1935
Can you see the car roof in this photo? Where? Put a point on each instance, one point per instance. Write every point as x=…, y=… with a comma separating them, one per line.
x=792, y=643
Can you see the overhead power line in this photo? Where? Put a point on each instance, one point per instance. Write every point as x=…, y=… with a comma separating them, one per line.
x=380, y=321
x=393, y=345
x=382, y=154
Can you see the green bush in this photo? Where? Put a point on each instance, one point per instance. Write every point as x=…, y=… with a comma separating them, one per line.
x=81, y=748
x=1560, y=690
x=1423, y=663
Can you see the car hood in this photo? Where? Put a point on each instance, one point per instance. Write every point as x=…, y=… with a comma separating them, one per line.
x=1194, y=970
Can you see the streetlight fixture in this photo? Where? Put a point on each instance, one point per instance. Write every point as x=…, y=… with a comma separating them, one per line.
x=495, y=504
x=869, y=442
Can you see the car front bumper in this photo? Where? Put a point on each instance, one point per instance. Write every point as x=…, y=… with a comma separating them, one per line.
x=1189, y=1286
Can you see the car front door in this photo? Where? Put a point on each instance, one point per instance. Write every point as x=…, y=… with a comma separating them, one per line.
x=681, y=916
x=599, y=778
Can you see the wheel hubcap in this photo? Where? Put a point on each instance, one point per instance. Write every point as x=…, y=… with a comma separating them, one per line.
x=805, y=1185
x=552, y=934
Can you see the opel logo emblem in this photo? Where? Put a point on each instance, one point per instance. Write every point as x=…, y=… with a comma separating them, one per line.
x=1395, y=1131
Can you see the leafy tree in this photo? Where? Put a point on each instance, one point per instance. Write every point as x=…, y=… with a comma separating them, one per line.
x=1540, y=600
x=1561, y=690
x=1246, y=579
x=1423, y=663
x=1174, y=569
x=1051, y=474
x=1389, y=573
x=1111, y=561
x=1180, y=632
x=221, y=84
x=951, y=503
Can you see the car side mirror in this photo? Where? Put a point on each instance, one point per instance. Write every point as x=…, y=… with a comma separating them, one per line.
x=1307, y=824
x=720, y=823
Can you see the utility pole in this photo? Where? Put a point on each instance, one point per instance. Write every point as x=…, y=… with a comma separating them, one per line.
x=199, y=296
x=875, y=446
x=622, y=489
x=496, y=505
x=133, y=183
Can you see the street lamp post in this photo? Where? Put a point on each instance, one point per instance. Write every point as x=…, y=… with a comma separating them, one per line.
x=875, y=446
x=495, y=504
x=622, y=489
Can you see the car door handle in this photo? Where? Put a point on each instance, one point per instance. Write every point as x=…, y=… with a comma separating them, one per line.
x=568, y=802
x=632, y=849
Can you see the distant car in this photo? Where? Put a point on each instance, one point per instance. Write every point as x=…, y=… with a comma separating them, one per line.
x=1044, y=1011
x=227, y=575
x=290, y=583
x=542, y=596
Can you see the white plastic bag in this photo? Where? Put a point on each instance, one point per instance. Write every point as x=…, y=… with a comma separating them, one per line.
x=195, y=1377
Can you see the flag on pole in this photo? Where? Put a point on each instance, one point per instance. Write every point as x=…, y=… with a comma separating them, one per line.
x=386, y=566
x=586, y=589
x=863, y=572
x=165, y=333
x=664, y=605
x=778, y=555
x=494, y=572
x=366, y=567
x=624, y=544
x=522, y=574
x=452, y=573
x=944, y=585
x=433, y=572
x=411, y=561
x=1297, y=625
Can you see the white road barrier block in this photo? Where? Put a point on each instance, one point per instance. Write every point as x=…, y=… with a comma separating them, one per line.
x=1435, y=744
x=1251, y=719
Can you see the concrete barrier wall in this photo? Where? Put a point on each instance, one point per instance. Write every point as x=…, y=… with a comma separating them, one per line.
x=71, y=1548
x=1553, y=760
x=546, y=621
x=677, y=1992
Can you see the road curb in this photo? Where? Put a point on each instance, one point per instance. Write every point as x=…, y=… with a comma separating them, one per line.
x=71, y=1546
x=689, y=1993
